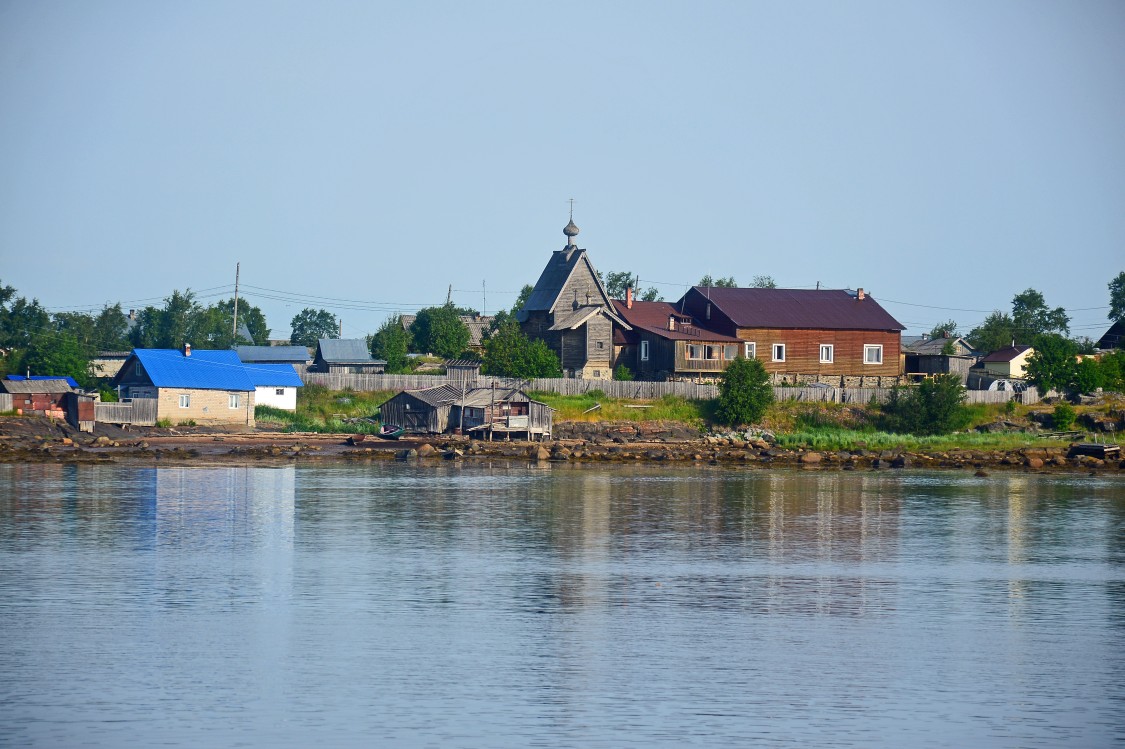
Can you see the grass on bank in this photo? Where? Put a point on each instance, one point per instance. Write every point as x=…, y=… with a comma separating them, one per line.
x=327, y=411
x=668, y=408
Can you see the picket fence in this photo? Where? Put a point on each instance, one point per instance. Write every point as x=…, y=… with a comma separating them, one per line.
x=636, y=390
x=141, y=411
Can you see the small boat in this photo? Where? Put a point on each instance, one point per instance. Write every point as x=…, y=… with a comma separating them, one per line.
x=355, y=439
x=390, y=431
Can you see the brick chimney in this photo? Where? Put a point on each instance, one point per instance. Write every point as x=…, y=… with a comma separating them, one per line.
x=859, y=295
x=187, y=349
x=671, y=322
x=629, y=298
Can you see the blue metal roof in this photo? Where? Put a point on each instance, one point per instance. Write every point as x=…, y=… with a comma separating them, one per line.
x=273, y=375
x=203, y=370
x=69, y=380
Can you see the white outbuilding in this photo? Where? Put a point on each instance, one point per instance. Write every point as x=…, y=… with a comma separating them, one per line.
x=276, y=385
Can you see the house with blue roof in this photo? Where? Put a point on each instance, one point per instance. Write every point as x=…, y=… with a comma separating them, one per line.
x=276, y=385
x=202, y=386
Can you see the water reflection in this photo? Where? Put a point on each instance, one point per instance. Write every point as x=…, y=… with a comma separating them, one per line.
x=498, y=605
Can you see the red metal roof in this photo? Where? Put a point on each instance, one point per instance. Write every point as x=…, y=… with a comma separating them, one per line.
x=826, y=309
x=653, y=317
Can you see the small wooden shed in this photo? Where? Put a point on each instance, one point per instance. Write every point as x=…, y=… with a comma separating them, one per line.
x=501, y=411
x=423, y=411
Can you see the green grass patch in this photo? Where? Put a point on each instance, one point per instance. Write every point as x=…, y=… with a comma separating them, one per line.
x=668, y=408
x=327, y=411
x=831, y=439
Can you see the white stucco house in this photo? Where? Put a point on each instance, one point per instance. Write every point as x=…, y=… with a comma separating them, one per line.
x=276, y=385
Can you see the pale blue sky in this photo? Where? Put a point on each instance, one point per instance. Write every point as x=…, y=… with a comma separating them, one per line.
x=942, y=154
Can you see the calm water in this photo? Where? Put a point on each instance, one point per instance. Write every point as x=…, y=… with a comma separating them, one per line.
x=492, y=606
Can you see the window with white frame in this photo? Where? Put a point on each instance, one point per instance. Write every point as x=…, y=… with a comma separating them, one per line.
x=872, y=353
x=279, y=391
x=779, y=352
x=233, y=399
x=826, y=353
x=730, y=352
x=644, y=350
x=694, y=351
x=185, y=400
x=751, y=349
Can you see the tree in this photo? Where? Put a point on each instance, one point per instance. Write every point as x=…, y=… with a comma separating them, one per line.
x=1053, y=365
x=391, y=344
x=510, y=353
x=1112, y=367
x=50, y=353
x=111, y=329
x=504, y=315
x=251, y=317
x=718, y=283
x=762, y=282
x=1032, y=317
x=439, y=330
x=617, y=284
x=310, y=325
x=947, y=329
x=744, y=393
x=1117, y=297
x=1088, y=376
x=936, y=406
x=21, y=320
x=997, y=331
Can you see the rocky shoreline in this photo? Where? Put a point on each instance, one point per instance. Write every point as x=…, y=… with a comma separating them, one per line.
x=579, y=443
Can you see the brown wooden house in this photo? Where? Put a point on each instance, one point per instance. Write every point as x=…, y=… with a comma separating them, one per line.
x=665, y=343
x=571, y=312
x=827, y=335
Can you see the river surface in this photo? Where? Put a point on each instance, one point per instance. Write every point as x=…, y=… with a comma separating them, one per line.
x=507, y=606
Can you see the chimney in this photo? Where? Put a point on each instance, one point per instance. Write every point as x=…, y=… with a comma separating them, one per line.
x=629, y=298
x=925, y=336
x=708, y=310
x=671, y=322
x=187, y=349
x=859, y=295
x=132, y=314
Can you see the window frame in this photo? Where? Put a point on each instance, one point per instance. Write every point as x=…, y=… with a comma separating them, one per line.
x=644, y=350
x=869, y=347
x=185, y=400
x=234, y=401
x=279, y=391
x=774, y=348
x=831, y=349
x=750, y=349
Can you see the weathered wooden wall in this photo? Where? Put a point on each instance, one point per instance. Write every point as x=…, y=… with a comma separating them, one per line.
x=5, y=401
x=140, y=411
x=802, y=351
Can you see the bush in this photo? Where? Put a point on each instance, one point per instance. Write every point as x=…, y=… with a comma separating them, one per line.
x=744, y=393
x=1063, y=417
x=622, y=373
x=934, y=407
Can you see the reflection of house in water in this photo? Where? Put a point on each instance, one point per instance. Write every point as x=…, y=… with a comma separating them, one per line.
x=235, y=505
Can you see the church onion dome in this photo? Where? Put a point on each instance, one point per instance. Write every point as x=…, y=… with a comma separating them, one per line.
x=570, y=229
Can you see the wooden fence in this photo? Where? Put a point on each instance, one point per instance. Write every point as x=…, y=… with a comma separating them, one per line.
x=141, y=411
x=638, y=390
x=5, y=401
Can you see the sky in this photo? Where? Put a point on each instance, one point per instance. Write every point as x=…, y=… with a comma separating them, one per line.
x=365, y=157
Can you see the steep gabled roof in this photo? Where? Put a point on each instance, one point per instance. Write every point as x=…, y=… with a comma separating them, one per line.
x=653, y=318
x=203, y=370
x=272, y=353
x=560, y=267
x=344, y=351
x=274, y=375
x=1114, y=337
x=825, y=309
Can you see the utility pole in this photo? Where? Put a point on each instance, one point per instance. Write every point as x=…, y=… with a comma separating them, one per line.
x=234, y=330
x=484, y=299
x=341, y=333
x=449, y=295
